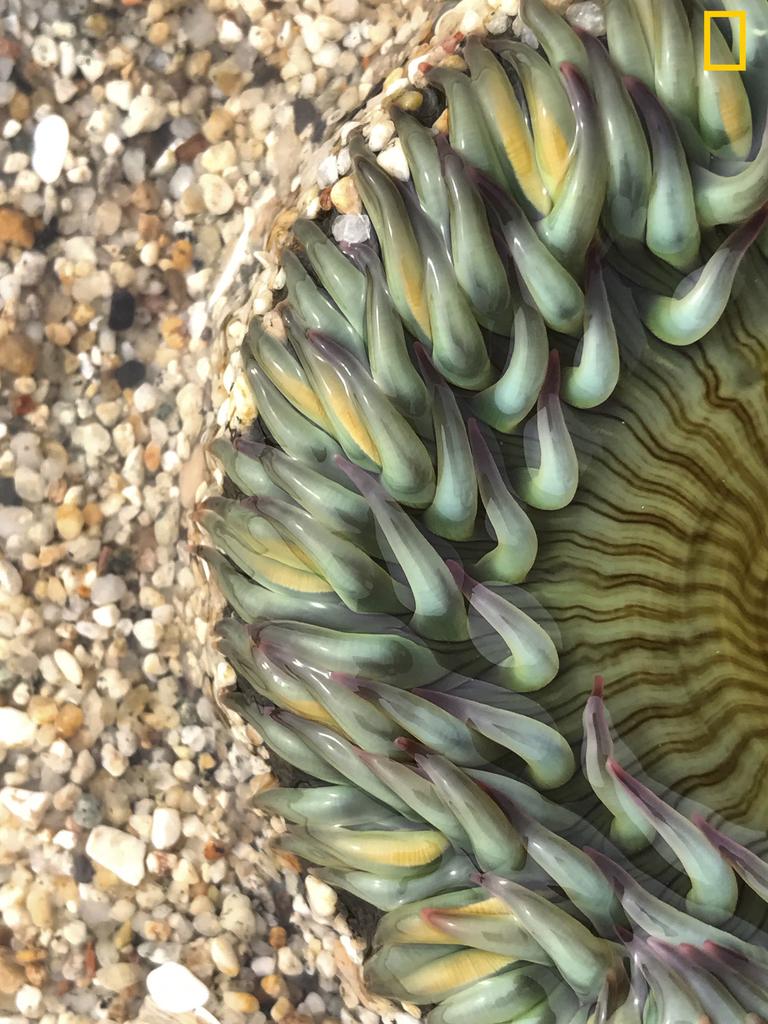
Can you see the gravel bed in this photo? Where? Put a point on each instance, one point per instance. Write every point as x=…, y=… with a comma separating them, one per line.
x=153, y=154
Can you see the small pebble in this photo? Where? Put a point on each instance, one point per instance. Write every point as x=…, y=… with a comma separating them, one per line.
x=392, y=159
x=29, y=1001
x=26, y=805
x=240, y=1002
x=10, y=578
x=16, y=728
x=148, y=633
x=49, y=147
x=321, y=897
x=166, y=828
x=68, y=665
x=119, y=852
x=352, y=228
x=88, y=811
x=224, y=956
x=122, y=310
x=108, y=589
x=117, y=977
x=145, y=114
x=217, y=194
x=175, y=989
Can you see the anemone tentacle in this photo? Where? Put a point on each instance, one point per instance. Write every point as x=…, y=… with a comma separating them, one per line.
x=442, y=409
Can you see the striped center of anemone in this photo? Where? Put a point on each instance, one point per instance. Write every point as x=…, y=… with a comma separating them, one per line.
x=514, y=442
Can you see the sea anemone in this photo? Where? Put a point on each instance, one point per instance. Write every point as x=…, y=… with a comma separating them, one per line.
x=499, y=544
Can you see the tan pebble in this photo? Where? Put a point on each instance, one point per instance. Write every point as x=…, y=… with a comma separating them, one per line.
x=191, y=475
x=38, y=904
x=152, y=456
x=281, y=1009
x=20, y=106
x=224, y=956
x=11, y=976
x=157, y=931
x=191, y=201
x=219, y=123
x=205, y=762
x=82, y=314
x=150, y=226
x=69, y=720
x=18, y=355
x=69, y=521
x=394, y=76
x=97, y=25
x=31, y=955
x=275, y=986
x=104, y=880
x=181, y=254
x=123, y=936
x=453, y=60
x=92, y=514
x=198, y=63
x=145, y=197
x=344, y=196
x=16, y=228
x=159, y=33
x=59, y=334
x=277, y=937
x=410, y=100
x=173, y=330
x=240, y=1002
x=35, y=974
x=117, y=977
x=227, y=76
x=42, y=710
x=442, y=123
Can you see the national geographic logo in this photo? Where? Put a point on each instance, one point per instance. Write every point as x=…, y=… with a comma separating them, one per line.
x=741, y=19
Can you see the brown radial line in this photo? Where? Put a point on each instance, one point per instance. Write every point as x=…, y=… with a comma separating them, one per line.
x=656, y=575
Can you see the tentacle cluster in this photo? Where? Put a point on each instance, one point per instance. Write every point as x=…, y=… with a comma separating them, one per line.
x=414, y=422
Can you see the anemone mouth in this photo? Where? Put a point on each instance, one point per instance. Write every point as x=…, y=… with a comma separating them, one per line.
x=515, y=439
x=656, y=573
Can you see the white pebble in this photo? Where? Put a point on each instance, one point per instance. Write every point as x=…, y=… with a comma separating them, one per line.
x=49, y=147
x=68, y=665
x=587, y=16
x=29, y=1001
x=112, y=761
x=174, y=989
x=328, y=172
x=262, y=966
x=145, y=114
x=145, y=397
x=10, y=578
x=237, y=916
x=25, y=804
x=107, y=589
x=118, y=852
x=16, y=728
x=224, y=956
x=29, y=485
x=148, y=633
x=381, y=134
x=288, y=963
x=321, y=897
x=392, y=159
x=166, y=828
x=119, y=92
x=352, y=228
x=217, y=194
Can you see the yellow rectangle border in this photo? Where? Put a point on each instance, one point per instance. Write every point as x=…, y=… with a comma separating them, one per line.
x=741, y=17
